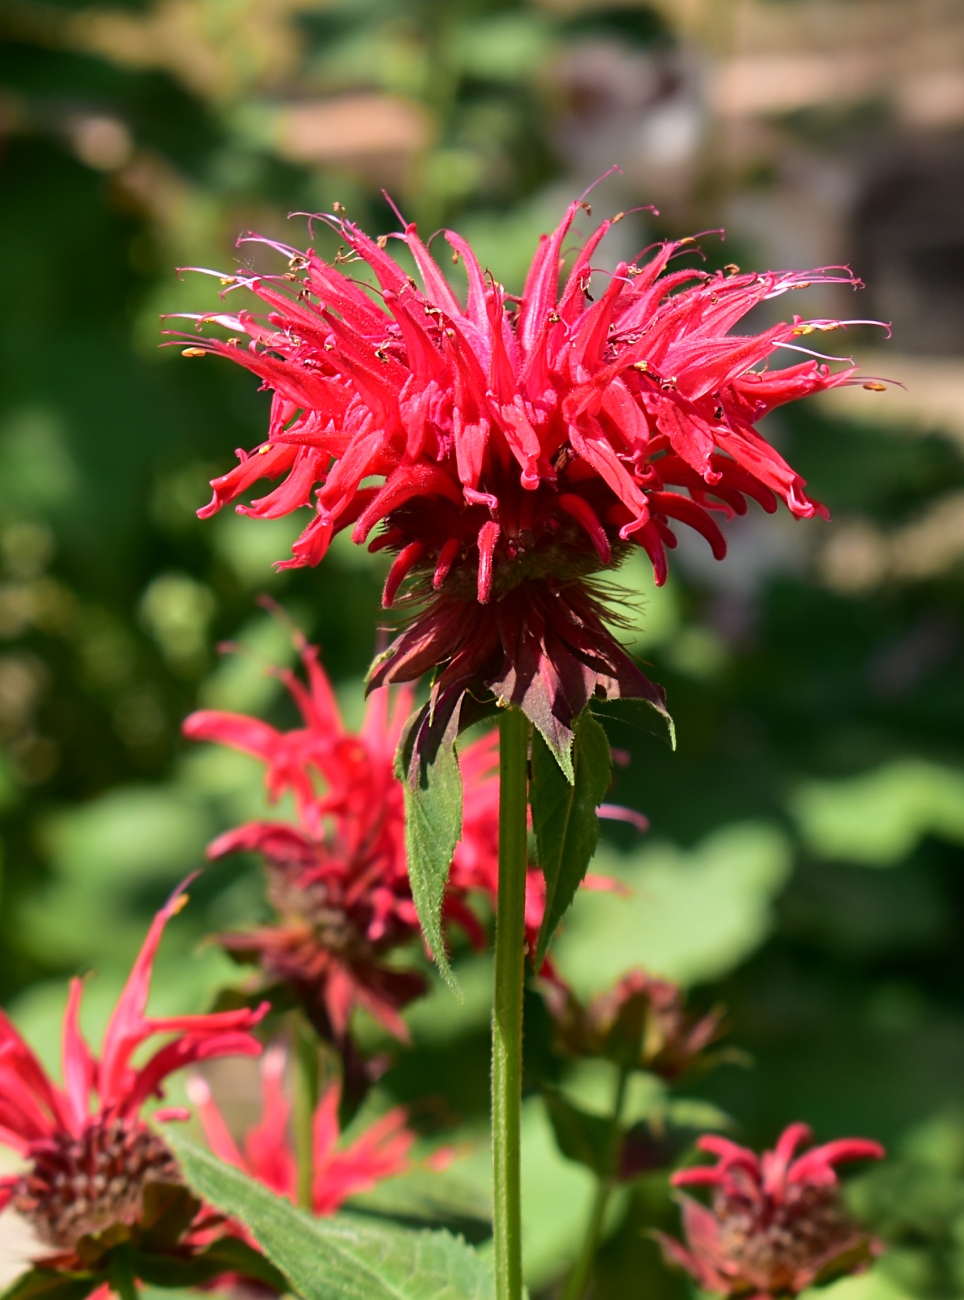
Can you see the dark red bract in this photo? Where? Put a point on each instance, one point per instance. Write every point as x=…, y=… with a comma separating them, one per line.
x=520, y=445
x=776, y=1224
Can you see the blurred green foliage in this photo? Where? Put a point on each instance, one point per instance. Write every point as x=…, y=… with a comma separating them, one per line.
x=808, y=836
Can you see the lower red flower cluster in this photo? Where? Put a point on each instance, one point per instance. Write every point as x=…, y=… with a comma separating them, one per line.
x=338, y=877
x=776, y=1224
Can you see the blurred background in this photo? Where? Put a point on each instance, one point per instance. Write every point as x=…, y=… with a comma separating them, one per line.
x=805, y=859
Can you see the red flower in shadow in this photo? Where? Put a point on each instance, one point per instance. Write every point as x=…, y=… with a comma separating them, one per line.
x=776, y=1224
x=338, y=877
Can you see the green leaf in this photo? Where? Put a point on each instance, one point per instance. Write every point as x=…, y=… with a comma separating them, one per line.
x=649, y=715
x=428, y=767
x=50, y=1284
x=229, y=1255
x=168, y=1211
x=564, y=817
x=588, y=1139
x=341, y=1258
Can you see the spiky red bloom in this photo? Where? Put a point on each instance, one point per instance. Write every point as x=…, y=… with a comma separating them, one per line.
x=520, y=445
x=776, y=1224
x=91, y=1164
x=382, y=1151
x=339, y=877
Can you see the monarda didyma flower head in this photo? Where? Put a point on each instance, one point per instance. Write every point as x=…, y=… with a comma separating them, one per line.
x=97, y=1175
x=520, y=445
x=776, y=1224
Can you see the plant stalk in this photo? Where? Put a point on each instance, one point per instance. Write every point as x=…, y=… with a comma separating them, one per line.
x=303, y=1117
x=507, y=1004
x=578, y=1279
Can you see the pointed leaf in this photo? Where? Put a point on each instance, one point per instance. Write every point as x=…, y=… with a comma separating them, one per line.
x=564, y=817
x=429, y=770
x=645, y=714
x=342, y=1258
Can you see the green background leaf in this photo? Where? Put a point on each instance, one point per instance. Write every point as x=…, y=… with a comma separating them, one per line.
x=689, y=916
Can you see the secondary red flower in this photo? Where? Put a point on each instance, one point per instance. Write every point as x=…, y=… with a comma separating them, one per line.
x=776, y=1224
x=338, y=878
x=520, y=444
x=382, y=1151
x=92, y=1165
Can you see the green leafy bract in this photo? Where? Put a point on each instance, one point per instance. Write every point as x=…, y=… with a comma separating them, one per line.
x=342, y=1258
x=564, y=817
x=51, y=1284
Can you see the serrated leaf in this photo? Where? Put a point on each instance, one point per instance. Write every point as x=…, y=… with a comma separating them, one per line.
x=564, y=817
x=648, y=714
x=340, y=1258
x=588, y=1139
x=429, y=770
x=50, y=1284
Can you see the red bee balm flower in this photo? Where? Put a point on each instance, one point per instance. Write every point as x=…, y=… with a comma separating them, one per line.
x=381, y=1152
x=90, y=1168
x=776, y=1224
x=523, y=444
x=339, y=878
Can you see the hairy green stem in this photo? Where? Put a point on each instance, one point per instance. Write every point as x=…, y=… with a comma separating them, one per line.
x=507, y=1004
x=123, y=1280
x=578, y=1279
x=305, y=1100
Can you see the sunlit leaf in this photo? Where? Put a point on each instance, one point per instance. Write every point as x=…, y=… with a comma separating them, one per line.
x=342, y=1258
x=564, y=817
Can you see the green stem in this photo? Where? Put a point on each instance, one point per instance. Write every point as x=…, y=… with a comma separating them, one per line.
x=303, y=1118
x=507, y=1004
x=578, y=1279
x=123, y=1281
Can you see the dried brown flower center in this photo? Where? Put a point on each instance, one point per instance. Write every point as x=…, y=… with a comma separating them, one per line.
x=78, y=1186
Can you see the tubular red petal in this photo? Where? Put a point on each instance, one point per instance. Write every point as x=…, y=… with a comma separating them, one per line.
x=688, y=512
x=237, y=730
x=411, y=555
x=127, y=1027
x=617, y=813
x=407, y=482
x=578, y=508
x=445, y=561
x=488, y=536
x=79, y=1068
x=818, y=1163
